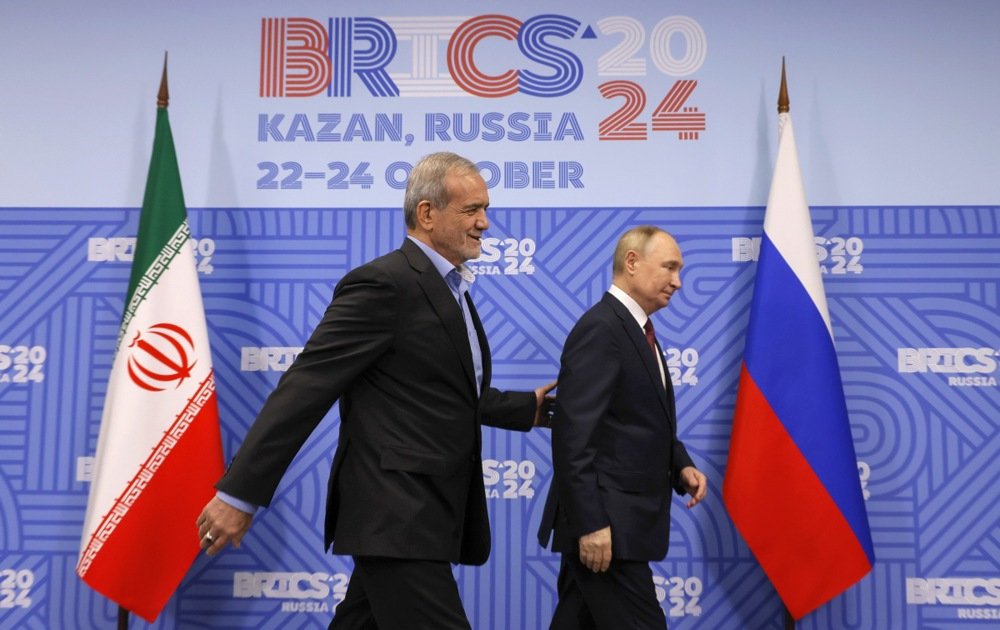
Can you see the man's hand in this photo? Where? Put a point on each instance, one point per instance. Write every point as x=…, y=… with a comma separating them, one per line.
x=595, y=550
x=696, y=483
x=220, y=524
x=543, y=405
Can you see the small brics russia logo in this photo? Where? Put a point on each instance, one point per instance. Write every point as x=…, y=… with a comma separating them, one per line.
x=159, y=356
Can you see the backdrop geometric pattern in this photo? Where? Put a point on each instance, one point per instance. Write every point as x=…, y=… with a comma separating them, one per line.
x=914, y=298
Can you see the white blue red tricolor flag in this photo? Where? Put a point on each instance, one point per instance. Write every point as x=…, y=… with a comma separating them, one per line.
x=791, y=483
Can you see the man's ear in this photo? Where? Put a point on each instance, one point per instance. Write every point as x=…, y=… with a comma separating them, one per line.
x=424, y=215
x=631, y=257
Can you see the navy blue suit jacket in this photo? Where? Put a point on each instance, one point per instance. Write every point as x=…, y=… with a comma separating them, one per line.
x=615, y=450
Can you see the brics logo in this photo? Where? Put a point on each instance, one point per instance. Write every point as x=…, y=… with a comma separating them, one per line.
x=509, y=479
x=303, y=592
x=302, y=57
x=268, y=358
x=973, y=364
x=122, y=249
x=974, y=597
x=15, y=588
x=837, y=255
x=288, y=585
x=512, y=257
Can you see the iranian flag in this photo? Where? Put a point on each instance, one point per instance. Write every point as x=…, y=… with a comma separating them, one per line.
x=159, y=451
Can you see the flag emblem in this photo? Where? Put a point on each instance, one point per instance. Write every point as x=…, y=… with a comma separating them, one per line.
x=161, y=355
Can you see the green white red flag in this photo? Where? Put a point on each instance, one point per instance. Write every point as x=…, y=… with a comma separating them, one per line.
x=159, y=450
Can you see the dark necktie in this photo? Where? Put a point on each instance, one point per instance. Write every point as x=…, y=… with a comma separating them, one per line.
x=650, y=335
x=454, y=280
x=651, y=340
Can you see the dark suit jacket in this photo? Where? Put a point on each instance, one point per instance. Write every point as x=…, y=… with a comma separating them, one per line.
x=615, y=451
x=406, y=479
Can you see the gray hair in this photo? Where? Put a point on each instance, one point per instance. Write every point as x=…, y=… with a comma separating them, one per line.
x=636, y=239
x=426, y=182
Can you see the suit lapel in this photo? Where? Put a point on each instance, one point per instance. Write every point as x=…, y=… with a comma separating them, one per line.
x=637, y=337
x=443, y=302
x=484, y=345
x=668, y=391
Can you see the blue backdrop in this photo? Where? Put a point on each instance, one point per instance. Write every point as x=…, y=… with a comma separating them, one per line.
x=614, y=117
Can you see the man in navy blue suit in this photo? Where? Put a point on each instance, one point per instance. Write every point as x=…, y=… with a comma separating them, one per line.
x=615, y=451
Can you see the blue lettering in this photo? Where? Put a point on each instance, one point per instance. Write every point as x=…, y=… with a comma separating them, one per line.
x=569, y=126
x=330, y=122
x=493, y=130
x=299, y=128
x=518, y=130
x=357, y=127
x=389, y=128
x=533, y=42
x=268, y=126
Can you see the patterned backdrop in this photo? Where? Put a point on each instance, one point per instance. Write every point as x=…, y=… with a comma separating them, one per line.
x=914, y=288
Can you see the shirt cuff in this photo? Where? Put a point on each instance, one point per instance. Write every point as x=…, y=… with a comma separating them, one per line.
x=239, y=504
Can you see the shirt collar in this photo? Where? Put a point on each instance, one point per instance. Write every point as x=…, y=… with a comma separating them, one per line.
x=441, y=263
x=632, y=306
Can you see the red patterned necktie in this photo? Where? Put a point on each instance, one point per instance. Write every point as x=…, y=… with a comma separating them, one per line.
x=650, y=335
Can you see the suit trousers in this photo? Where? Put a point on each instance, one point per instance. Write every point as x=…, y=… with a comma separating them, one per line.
x=400, y=594
x=623, y=597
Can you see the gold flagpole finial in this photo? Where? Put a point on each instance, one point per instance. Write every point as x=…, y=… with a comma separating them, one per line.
x=783, y=91
x=163, y=98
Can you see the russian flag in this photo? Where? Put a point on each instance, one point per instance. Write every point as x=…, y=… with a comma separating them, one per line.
x=791, y=484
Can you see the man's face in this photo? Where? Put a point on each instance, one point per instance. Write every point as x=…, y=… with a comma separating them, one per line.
x=657, y=272
x=457, y=229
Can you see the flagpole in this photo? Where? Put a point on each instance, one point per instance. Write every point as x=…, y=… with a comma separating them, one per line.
x=789, y=620
x=783, y=108
x=162, y=100
x=163, y=96
x=783, y=91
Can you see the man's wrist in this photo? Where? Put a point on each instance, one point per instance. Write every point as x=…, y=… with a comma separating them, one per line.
x=239, y=504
